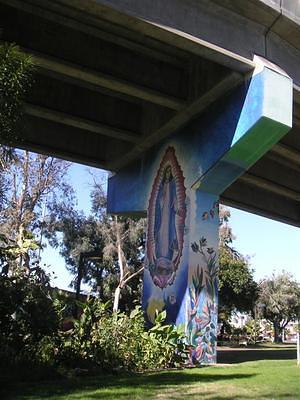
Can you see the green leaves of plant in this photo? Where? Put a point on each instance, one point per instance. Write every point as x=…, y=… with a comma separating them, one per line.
x=15, y=79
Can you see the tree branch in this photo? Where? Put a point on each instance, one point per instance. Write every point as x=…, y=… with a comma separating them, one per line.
x=133, y=275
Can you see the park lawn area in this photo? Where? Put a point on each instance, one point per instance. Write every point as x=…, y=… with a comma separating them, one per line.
x=264, y=351
x=266, y=379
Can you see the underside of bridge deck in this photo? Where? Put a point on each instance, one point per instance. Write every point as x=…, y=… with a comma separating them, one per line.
x=101, y=95
x=109, y=86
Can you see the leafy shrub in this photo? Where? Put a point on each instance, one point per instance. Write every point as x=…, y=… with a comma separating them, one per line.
x=253, y=330
x=27, y=315
x=118, y=341
x=31, y=336
x=29, y=325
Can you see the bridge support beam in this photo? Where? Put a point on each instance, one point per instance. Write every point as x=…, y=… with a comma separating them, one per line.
x=177, y=185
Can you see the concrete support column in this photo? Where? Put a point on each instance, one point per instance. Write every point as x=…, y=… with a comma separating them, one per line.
x=177, y=184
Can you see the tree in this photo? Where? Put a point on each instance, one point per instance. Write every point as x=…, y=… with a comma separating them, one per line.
x=279, y=297
x=37, y=196
x=237, y=288
x=103, y=251
x=124, y=250
x=253, y=330
x=80, y=241
x=124, y=241
x=27, y=182
x=16, y=70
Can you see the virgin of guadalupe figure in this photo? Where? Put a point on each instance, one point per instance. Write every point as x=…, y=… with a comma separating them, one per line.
x=166, y=221
x=166, y=242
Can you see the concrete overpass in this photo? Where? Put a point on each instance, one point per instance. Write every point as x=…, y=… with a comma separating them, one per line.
x=117, y=76
x=124, y=85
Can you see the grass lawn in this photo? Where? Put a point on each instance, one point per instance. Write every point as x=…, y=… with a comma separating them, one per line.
x=265, y=379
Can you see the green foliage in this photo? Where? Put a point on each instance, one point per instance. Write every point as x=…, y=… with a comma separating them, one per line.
x=253, y=330
x=114, y=341
x=279, y=298
x=89, y=246
x=37, y=195
x=27, y=318
x=82, y=235
x=10, y=250
x=15, y=79
x=236, y=333
x=166, y=344
x=237, y=288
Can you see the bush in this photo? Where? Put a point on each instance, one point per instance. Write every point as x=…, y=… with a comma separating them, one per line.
x=32, y=339
x=118, y=341
x=27, y=313
x=253, y=330
x=29, y=324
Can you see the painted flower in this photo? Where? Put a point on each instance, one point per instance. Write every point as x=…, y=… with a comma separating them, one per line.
x=205, y=215
x=195, y=247
x=216, y=204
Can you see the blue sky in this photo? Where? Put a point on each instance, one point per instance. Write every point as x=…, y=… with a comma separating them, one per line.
x=270, y=245
x=81, y=178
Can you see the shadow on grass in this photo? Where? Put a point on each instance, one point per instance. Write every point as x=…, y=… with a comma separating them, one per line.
x=236, y=356
x=276, y=346
x=217, y=396
x=117, y=387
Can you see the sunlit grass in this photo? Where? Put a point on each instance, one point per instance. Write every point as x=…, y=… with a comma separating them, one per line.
x=268, y=379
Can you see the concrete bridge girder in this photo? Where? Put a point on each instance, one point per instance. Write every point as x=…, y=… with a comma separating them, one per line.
x=115, y=77
x=166, y=95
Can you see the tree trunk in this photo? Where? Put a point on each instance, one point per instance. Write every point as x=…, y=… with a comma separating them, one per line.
x=78, y=286
x=20, y=245
x=277, y=331
x=121, y=266
x=124, y=278
x=20, y=227
x=116, y=299
x=23, y=259
x=99, y=280
x=79, y=276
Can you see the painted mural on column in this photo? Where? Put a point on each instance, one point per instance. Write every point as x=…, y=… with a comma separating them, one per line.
x=181, y=258
x=202, y=317
x=178, y=183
